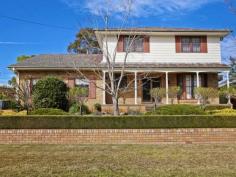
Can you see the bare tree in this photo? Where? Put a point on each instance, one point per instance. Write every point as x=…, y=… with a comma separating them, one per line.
x=23, y=93
x=114, y=84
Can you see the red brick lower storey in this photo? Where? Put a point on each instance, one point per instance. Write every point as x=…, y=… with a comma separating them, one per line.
x=118, y=136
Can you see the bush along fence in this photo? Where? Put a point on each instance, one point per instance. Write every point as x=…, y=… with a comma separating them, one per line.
x=125, y=122
x=117, y=130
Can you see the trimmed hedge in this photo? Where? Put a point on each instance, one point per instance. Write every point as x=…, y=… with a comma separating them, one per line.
x=125, y=122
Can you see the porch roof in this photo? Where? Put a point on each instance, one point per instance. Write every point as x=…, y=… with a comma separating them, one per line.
x=171, y=65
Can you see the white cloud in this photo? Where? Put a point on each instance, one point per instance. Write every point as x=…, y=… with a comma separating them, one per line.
x=17, y=43
x=139, y=7
x=228, y=48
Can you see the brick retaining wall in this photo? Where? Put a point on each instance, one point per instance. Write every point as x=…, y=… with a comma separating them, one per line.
x=118, y=136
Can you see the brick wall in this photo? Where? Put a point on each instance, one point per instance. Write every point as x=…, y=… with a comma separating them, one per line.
x=119, y=136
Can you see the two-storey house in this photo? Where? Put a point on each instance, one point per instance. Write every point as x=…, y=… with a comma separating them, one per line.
x=187, y=58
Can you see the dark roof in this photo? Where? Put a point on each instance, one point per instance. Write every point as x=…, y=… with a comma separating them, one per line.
x=94, y=61
x=60, y=61
x=162, y=29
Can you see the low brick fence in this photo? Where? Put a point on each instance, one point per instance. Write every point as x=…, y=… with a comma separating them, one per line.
x=118, y=136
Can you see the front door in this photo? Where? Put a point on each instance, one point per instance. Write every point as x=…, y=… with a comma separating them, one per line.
x=148, y=84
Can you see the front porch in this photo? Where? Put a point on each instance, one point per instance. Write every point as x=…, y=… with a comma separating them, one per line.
x=138, y=98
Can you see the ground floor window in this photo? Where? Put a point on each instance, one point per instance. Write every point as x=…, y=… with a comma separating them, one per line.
x=188, y=83
x=82, y=83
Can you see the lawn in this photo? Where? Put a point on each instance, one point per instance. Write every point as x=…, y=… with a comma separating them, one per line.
x=118, y=160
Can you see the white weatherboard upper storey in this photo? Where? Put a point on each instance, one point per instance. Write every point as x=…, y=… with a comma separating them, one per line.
x=163, y=50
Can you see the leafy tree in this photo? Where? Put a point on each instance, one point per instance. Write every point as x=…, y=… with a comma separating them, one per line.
x=3, y=96
x=78, y=95
x=232, y=74
x=173, y=93
x=157, y=94
x=12, y=82
x=86, y=42
x=50, y=92
x=228, y=93
x=23, y=58
x=204, y=94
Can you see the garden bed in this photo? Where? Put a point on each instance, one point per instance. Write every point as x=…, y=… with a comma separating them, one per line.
x=111, y=122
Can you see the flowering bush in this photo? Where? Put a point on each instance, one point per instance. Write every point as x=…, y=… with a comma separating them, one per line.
x=224, y=112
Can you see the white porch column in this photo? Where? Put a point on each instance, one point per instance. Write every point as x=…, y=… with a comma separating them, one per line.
x=104, y=88
x=167, y=88
x=198, y=85
x=227, y=76
x=228, y=85
x=135, y=88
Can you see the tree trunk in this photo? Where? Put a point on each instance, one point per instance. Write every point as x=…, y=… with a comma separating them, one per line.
x=81, y=110
x=229, y=102
x=116, y=110
x=155, y=104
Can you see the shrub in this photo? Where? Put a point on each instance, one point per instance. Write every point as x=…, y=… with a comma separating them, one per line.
x=75, y=109
x=178, y=109
x=228, y=93
x=13, y=113
x=204, y=94
x=121, y=122
x=78, y=96
x=50, y=93
x=224, y=112
x=216, y=107
x=173, y=93
x=157, y=94
x=48, y=111
x=98, y=107
x=14, y=105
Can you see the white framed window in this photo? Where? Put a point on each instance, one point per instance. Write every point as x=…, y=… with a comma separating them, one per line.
x=196, y=42
x=191, y=44
x=136, y=46
x=82, y=83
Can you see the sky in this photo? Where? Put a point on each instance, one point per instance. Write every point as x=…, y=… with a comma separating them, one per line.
x=31, y=27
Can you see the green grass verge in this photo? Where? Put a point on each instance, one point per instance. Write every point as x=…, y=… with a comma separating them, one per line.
x=111, y=122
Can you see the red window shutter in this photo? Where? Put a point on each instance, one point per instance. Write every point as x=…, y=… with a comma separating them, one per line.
x=204, y=44
x=92, y=89
x=178, y=44
x=120, y=44
x=146, y=44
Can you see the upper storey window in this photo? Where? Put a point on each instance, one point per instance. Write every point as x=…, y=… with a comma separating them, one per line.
x=191, y=44
x=133, y=44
